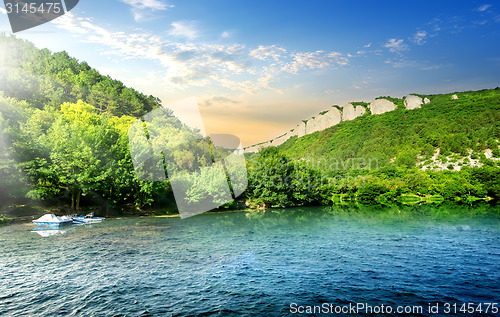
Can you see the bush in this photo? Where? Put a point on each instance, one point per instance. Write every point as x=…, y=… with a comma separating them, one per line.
x=369, y=192
x=427, y=149
x=406, y=159
x=4, y=221
x=496, y=152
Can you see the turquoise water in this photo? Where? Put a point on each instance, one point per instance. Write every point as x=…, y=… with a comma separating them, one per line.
x=241, y=264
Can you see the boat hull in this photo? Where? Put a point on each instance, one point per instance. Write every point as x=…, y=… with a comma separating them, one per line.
x=87, y=220
x=52, y=224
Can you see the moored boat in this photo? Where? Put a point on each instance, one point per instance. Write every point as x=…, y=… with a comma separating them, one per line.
x=87, y=219
x=51, y=220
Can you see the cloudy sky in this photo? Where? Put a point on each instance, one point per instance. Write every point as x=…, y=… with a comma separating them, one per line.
x=259, y=67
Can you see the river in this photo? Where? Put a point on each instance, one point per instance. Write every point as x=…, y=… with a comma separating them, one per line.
x=259, y=264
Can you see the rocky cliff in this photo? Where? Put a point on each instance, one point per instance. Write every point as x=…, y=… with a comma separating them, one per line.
x=335, y=115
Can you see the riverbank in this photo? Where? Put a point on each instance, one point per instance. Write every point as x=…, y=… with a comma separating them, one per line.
x=27, y=213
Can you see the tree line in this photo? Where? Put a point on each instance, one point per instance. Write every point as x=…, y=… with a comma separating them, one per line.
x=64, y=139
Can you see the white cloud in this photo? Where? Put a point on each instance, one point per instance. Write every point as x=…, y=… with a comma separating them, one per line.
x=71, y=23
x=143, y=8
x=218, y=100
x=314, y=60
x=419, y=37
x=268, y=52
x=183, y=64
x=396, y=46
x=403, y=63
x=187, y=29
x=225, y=34
x=147, y=4
x=368, y=45
x=3, y=11
x=484, y=7
x=431, y=67
x=331, y=91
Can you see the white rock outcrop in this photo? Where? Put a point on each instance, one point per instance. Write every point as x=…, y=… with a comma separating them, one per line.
x=380, y=106
x=454, y=97
x=324, y=121
x=301, y=129
x=280, y=140
x=349, y=112
x=413, y=102
x=252, y=149
x=265, y=144
x=334, y=116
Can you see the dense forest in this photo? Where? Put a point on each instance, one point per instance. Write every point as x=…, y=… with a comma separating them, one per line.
x=63, y=131
x=64, y=142
x=64, y=136
x=446, y=150
x=42, y=78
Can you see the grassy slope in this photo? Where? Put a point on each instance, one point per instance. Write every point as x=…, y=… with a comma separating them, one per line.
x=471, y=122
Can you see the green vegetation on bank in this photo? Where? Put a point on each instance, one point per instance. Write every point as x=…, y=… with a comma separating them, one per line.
x=64, y=141
x=434, y=153
x=64, y=145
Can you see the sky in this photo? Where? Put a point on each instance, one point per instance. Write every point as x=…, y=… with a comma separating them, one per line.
x=257, y=68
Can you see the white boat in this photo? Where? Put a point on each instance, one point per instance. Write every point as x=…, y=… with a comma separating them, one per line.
x=51, y=220
x=87, y=219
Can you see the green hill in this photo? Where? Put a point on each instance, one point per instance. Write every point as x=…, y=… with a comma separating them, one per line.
x=471, y=122
x=448, y=147
x=64, y=134
x=64, y=140
x=43, y=78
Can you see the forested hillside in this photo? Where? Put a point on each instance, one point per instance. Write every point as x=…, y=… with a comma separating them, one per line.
x=455, y=126
x=64, y=137
x=63, y=132
x=64, y=142
x=448, y=149
x=43, y=78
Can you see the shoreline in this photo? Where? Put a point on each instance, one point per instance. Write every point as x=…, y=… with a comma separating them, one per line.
x=7, y=218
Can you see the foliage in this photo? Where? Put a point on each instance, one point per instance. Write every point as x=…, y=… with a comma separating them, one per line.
x=377, y=155
x=43, y=78
x=276, y=181
x=454, y=126
x=64, y=136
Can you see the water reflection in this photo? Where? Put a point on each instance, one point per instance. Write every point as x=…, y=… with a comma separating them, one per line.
x=251, y=263
x=425, y=214
x=49, y=232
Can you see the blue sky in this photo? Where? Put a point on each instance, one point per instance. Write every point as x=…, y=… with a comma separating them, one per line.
x=259, y=67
